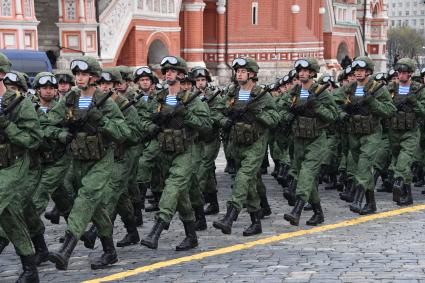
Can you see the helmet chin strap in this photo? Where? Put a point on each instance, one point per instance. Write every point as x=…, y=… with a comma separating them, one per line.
x=171, y=82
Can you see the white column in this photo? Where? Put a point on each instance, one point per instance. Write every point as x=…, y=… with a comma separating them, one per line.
x=82, y=10
x=18, y=5
x=60, y=10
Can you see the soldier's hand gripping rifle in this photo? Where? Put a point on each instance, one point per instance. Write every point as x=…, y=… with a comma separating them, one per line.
x=235, y=114
x=357, y=107
x=293, y=109
x=409, y=101
x=208, y=100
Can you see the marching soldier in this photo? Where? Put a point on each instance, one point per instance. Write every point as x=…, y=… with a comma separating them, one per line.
x=409, y=98
x=249, y=113
x=90, y=123
x=177, y=117
x=309, y=115
x=20, y=133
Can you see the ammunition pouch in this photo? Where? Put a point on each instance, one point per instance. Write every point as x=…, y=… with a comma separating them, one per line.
x=174, y=140
x=362, y=125
x=51, y=156
x=245, y=134
x=9, y=154
x=305, y=127
x=403, y=121
x=88, y=147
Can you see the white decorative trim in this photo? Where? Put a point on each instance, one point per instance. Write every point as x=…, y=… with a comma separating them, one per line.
x=193, y=7
x=264, y=43
x=267, y=50
x=193, y=50
x=221, y=7
x=14, y=23
x=76, y=26
x=162, y=18
x=158, y=29
x=343, y=34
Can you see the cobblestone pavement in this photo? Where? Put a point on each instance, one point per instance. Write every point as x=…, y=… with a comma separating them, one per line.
x=385, y=250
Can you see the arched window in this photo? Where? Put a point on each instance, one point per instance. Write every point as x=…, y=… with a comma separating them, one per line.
x=255, y=13
x=6, y=8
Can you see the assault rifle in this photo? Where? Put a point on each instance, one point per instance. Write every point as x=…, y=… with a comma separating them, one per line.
x=208, y=100
x=82, y=117
x=292, y=115
x=13, y=104
x=404, y=102
x=235, y=115
x=356, y=107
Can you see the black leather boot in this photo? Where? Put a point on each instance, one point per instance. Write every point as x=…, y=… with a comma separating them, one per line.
x=265, y=207
x=386, y=187
x=276, y=168
x=138, y=215
x=213, y=207
x=370, y=205
x=89, y=237
x=61, y=257
x=191, y=240
x=308, y=207
x=333, y=182
x=349, y=191
x=397, y=189
x=294, y=216
x=53, y=215
x=132, y=236
x=231, y=167
x=151, y=241
x=109, y=255
x=317, y=217
x=225, y=224
x=40, y=247
x=201, y=222
x=356, y=206
x=155, y=202
x=342, y=180
x=3, y=244
x=289, y=193
x=282, y=176
x=29, y=267
x=407, y=198
x=255, y=227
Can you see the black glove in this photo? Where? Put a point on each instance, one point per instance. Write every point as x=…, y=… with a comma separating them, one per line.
x=368, y=99
x=412, y=100
x=65, y=137
x=349, y=108
x=4, y=121
x=228, y=124
x=155, y=131
x=179, y=109
x=156, y=118
x=312, y=102
x=298, y=109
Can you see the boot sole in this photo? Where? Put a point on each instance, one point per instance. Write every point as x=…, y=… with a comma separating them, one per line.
x=96, y=267
x=186, y=249
x=290, y=219
x=223, y=229
x=119, y=245
x=59, y=263
x=148, y=245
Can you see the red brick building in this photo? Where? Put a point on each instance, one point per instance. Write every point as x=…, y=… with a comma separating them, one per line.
x=204, y=32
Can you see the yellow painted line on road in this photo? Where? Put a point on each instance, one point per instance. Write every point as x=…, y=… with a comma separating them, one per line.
x=248, y=245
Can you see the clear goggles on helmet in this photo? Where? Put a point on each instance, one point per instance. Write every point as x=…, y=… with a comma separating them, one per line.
x=143, y=70
x=104, y=76
x=63, y=78
x=199, y=73
x=402, y=68
x=12, y=77
x=170, y=60
x=239, y=62
x=301, y=64
x=272, y=86
x=79, y=64
x=358, y=64
x=328, y=79
x=392, y=73
x=381, y=77
x=348, y=70
x=292, y=73
x=47, y=79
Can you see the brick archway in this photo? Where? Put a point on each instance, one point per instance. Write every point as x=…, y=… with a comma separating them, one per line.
x=342, y=51
x=156, y=51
